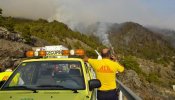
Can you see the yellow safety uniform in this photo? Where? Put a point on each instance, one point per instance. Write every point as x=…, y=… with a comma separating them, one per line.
x=5, y=75
x=105, y=70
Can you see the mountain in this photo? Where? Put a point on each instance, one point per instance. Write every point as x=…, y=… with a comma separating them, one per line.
x=167, y=34
x=134, y=39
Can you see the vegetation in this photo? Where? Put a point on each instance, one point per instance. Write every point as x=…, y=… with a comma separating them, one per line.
x=129, y=62
x=25, y=33
x=133, y=39
x=153, y=78
x=53, y=32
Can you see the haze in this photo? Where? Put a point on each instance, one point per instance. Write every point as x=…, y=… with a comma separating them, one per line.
x=158, y=13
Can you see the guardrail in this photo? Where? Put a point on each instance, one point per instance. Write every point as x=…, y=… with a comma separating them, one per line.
x=124, y=91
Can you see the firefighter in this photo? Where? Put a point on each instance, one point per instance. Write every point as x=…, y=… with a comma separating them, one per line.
x=105, y=70
x=6, y=74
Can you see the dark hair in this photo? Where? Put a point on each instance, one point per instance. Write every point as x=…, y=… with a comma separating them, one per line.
x=106, y=54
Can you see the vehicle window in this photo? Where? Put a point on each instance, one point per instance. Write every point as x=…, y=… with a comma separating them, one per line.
x=42, y=74
x=24, y=75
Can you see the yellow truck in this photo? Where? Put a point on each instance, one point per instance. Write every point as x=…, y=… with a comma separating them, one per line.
x=48, y=78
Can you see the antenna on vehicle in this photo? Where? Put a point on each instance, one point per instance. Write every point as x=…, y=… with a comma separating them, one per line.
x=99, y=56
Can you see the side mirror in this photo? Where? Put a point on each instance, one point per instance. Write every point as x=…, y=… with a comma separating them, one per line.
x=1, y=83
x=94, y=83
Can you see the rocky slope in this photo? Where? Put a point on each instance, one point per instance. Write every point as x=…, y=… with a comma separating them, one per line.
x=12, y=47
x=150, y=89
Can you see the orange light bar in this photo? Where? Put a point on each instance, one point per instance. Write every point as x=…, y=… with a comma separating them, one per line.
x=79, y=52
x=65, y=52
x=42, y=53
x=30, y=53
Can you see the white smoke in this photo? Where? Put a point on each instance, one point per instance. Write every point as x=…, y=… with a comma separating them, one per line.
x=102, y=33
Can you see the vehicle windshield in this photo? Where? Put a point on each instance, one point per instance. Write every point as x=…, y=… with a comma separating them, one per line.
x=48, y=75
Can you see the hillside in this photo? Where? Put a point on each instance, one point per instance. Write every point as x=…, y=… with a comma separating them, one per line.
x=18, y=35
x=52, y=32
x=167, y=33
x=133, y=39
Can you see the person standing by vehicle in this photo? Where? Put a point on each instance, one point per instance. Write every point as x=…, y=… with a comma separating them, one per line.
x=105, y=70
x=6, y=74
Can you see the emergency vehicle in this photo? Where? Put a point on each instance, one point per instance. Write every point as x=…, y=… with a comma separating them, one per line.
x=58, y=75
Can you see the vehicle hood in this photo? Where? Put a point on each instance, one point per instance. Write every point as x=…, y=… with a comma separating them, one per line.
x=42, y=95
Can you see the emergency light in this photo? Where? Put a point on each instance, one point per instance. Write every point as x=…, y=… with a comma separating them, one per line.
x=79, y=52
x=42, y=53
x=30, y=53
x=65, y=52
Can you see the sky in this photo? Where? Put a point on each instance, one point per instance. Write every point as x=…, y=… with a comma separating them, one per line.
x=158, y=13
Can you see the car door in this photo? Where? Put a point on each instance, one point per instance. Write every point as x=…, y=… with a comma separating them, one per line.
x=90, y=74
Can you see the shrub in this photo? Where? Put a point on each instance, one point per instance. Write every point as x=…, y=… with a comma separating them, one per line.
x=91, y=53
x=152, y=77
x=130, y=63
x=26, y=33
x=7, y=23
